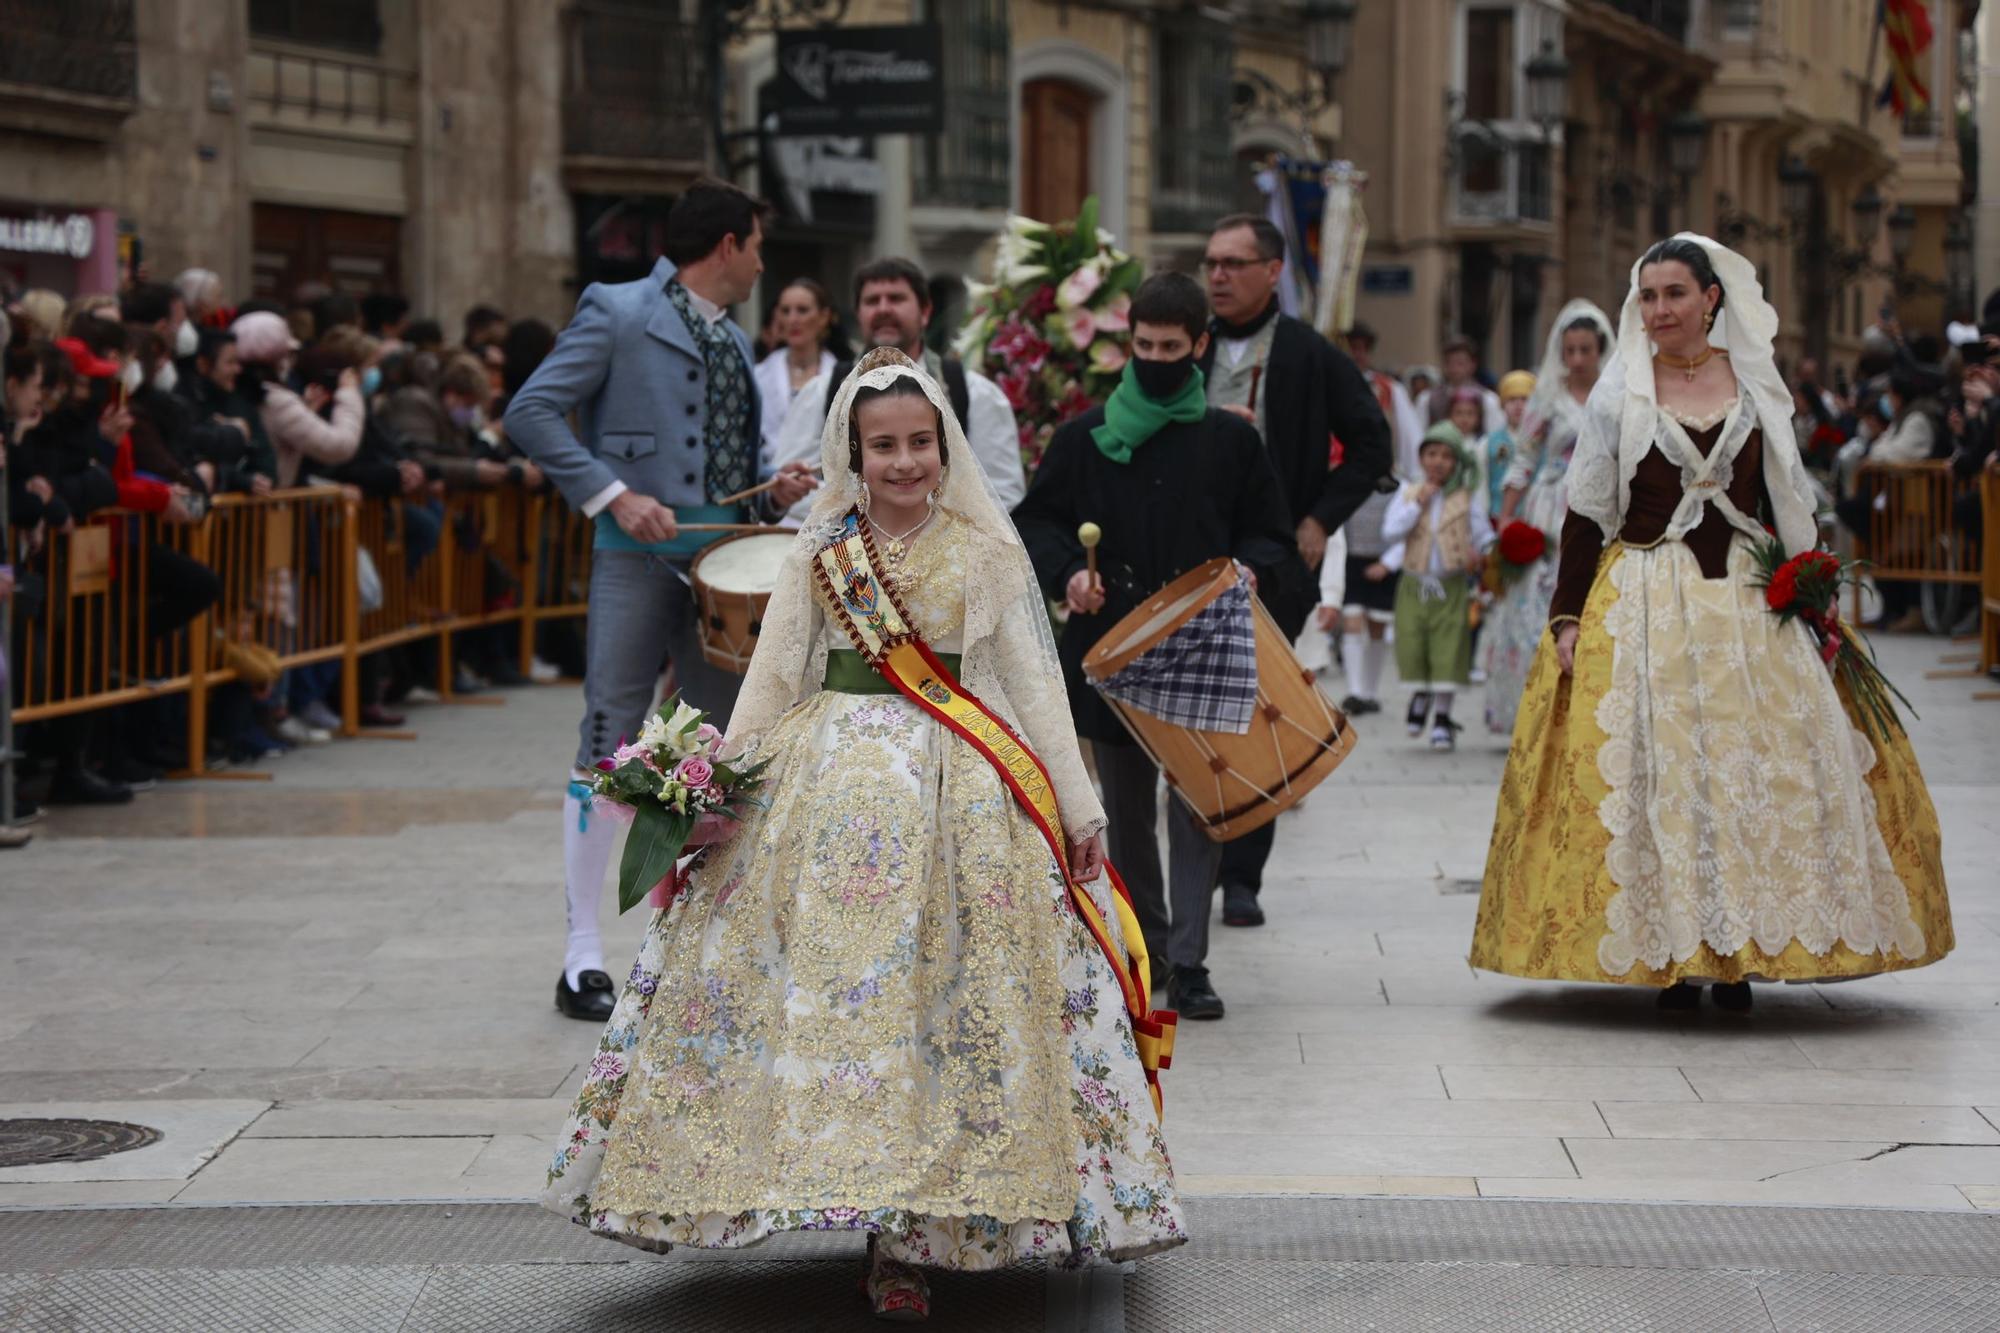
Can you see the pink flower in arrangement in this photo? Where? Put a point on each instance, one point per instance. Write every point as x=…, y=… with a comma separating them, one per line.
x=707, y=735
x=1116, y=315
x=1015, y=385
x=1041, y=304
x=1074, y=402
x=1081, y=326
x=1079, y=286
x=1107, y=357
x=695, y=772
x=639, y=750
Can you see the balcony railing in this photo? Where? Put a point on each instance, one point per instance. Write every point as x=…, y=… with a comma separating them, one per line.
x=635, y=85
x=68, y=66
x=1502, y=181
x=327, y=90
x=1667, y=17
x=1194, y=169
x=968, y=166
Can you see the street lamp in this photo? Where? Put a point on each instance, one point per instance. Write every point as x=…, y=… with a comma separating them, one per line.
x=1329, y=26
x=1795, y=188
x=1902, y=232
x=1958, y=259
x=1867, y=217
x=1548, y=87
x=1687, y=144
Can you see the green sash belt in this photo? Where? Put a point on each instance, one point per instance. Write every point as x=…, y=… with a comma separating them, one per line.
x=611, y=537
x=848, y=672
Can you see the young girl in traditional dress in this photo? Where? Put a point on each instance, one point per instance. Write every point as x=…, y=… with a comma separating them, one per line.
x=1688, y=798
x=1531, y=491
x=882, y=1005
x=1441, y=532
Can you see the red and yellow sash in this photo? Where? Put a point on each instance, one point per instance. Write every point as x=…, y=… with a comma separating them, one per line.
x=881, y=630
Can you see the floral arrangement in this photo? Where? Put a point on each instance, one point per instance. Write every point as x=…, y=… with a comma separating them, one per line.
x=1520, y=545
x=1806, y=587
x=681, y=795
x=1054, y=326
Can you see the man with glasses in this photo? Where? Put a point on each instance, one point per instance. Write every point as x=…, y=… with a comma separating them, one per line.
x=1322, y=428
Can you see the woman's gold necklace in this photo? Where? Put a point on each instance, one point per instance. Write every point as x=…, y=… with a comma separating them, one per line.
x=1688, y=365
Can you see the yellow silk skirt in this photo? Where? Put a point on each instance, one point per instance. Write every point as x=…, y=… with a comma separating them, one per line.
x=1695, y=802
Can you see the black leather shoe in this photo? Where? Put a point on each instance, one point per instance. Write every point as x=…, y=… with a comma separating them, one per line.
x=1239, y=906
x=80, y=786
x=592, y=1000
x=1681, y=997
x=1193, y=996
x=1734, y=997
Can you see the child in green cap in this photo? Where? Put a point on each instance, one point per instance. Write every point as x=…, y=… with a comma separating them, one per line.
x=1441, y=530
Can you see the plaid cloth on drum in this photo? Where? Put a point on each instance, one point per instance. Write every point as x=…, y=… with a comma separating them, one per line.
x=1203, y=676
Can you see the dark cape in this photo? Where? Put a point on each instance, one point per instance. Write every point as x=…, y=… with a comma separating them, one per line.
x=1194, y=491
x=1313, y=394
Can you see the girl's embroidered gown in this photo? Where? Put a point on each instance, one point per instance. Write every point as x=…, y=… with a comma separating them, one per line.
x=875, y=1009
x=1696, y=802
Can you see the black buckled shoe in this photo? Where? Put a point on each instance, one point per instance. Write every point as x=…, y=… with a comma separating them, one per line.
x=1193, y=996
x=1239, y=906
x=1734, y=996
x=592, y=1000
x=1680, y=997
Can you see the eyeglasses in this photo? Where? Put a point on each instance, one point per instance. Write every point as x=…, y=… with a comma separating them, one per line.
x=1213, y=265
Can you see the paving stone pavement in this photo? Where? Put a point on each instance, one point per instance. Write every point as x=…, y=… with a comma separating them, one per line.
x=335, y=987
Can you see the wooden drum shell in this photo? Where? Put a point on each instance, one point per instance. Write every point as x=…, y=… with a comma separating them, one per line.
x=1232, y=783
x=727, y=621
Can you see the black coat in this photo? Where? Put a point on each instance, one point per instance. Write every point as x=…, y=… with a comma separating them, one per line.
x=1195, y=491
x=1313, y=393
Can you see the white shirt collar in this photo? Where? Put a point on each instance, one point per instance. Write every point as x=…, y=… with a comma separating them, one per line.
x=707, y=309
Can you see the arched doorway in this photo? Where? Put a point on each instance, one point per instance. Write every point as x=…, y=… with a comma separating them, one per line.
x=1056, y=159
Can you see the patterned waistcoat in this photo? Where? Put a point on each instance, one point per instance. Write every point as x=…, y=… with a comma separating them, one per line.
x=1452, y=538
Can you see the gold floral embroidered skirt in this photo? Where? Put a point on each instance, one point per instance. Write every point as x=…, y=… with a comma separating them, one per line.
x=1696, y=802
x=873, y=1009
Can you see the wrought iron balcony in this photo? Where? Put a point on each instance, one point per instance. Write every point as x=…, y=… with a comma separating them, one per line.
x=68, y=67
x=1667, y=17
x=635, y=86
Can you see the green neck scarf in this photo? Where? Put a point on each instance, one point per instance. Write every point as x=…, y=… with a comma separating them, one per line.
x=1131, y=418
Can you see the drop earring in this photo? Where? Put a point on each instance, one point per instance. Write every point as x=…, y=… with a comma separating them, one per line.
x=866, y=499
x=1708, y=320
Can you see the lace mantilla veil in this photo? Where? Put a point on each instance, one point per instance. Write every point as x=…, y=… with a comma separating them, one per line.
x=1551, y=400
x=1009, y=662
x=1624, y=419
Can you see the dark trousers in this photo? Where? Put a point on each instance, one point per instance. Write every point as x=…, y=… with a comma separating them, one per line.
x=1131, y=783
x=1243, y=858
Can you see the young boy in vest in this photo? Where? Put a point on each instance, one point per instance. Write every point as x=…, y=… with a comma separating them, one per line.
x=1442, y=531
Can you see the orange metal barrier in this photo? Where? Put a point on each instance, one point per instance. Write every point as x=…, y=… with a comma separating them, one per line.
x=308, y=575
x=1989, y=587
x=1911, y=531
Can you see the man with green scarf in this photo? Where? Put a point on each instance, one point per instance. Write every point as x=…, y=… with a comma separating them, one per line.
x=1171, y=483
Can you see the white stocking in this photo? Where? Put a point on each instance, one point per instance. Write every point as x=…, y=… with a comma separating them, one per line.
x=588, y=838
x=1374, y=656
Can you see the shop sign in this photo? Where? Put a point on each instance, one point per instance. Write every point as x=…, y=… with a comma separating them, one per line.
x=74, y=236
x=874, y=80
x=1388, y=279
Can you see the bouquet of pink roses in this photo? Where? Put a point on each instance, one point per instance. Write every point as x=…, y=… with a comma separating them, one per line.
x=681, y=795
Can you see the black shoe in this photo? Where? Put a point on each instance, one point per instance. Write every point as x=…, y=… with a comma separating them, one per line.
x=80, y=786
x=1193, y=996
x=504, y=676
x=1239, y=906
x=1356, y=706
x=133, y=773
x=1681, y=997
x=1420, y=713
x=1733, y=996
x=592, y=1000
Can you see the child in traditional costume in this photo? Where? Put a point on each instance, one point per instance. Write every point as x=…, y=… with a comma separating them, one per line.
x=899, y=1000
x=1689, y=797
x=1441, y=533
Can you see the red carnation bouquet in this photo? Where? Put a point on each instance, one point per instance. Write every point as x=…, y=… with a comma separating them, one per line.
x=1807, y=587
x=1520, y=545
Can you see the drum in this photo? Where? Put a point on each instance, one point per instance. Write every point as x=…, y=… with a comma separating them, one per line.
x=732, y=581
x=1232, y=783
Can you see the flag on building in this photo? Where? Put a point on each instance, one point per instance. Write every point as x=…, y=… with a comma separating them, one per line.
x=1907, y=26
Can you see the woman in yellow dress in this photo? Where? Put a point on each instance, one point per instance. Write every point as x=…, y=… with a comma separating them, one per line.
x=878, y=1006
x=1688, y=797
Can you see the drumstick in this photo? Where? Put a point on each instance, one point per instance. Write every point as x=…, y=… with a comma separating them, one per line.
x=721, y=527
x=758, y=489
x=1256, y=374
x=1090, y=535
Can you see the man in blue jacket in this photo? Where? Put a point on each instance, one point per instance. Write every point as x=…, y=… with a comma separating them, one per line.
x=667, y=411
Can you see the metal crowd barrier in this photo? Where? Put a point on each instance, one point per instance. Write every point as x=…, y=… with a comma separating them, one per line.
x=1989, y=585
x=1913, y=535
x=310, y=575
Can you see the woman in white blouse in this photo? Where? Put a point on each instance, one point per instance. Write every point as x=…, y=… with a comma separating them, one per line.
x=805, y=322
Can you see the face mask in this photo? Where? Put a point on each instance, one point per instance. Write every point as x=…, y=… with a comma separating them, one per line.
x=464, y=417
x=371, y=380
x=186, y=341
x=166, y=377
x=132, y=377
x=1161, y=380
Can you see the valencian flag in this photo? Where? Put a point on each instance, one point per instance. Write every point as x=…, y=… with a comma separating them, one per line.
x=1907, y=25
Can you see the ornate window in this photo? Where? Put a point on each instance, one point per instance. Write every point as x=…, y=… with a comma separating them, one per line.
x=634, y=84
x=82, y=48
x=968, y=164
x=1194, y=167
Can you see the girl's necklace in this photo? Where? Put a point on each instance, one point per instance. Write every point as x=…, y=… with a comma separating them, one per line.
x=895, y=547
x=1688, y=365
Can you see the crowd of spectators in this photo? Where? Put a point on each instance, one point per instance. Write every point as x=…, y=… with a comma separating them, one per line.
x=164, y=396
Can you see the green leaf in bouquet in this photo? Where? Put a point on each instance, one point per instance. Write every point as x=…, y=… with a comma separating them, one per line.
x=1086, y=226
x=651, y=848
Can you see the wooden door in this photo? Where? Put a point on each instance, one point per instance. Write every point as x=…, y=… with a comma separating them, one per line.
x=1055, y=149
x=356, y=253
